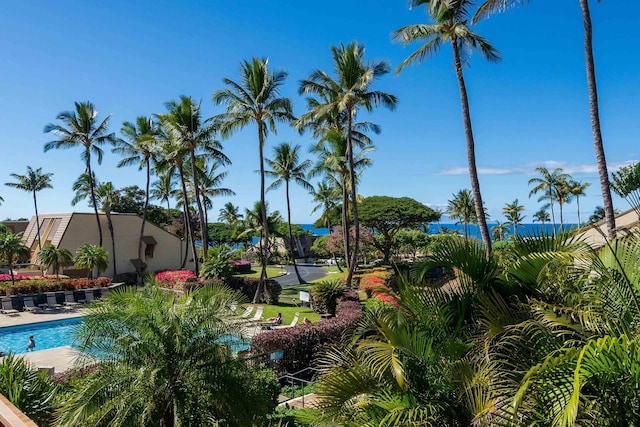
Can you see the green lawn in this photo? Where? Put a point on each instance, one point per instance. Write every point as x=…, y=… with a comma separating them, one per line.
x=255, y=272
x=290, y=304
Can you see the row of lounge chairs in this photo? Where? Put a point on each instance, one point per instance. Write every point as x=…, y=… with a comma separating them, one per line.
x=248, y=320
x=52, y=304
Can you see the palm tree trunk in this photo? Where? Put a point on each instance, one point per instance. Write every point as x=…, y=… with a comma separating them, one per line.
x=553, y=215
x=187, y=218
x=262, y=286
x=345, y=223
x=354, y=200
x=471, y=155
x=203, y=225
x=35, y=205
x=10, y=262
x=293, y=259
x=561, y=219
x=144, y=220
x=113, y=241
x=578, y=204
x=93, y=197
x=185, y=233
x=595, y=121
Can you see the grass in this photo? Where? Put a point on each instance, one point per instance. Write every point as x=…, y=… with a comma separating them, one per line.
x=271, y=273
x=289, y=305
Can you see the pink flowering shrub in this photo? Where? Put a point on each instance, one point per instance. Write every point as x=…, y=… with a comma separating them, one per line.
x=241, y=266
x=5, y=277
x=175, y=278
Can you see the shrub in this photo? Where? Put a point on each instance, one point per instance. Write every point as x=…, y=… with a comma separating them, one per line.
x=248, y=286
x=326, y=294
x=369, y=284
x=301, y=344
x=174, y=278
x=126, y=278
x=241, y=266
x=40, y=285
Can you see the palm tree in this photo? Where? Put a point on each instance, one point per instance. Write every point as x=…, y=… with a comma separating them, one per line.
x=33, y=182
x=196, y=134
x=255, y=100
x=54, y=258
x=286, y=167
x=104, y=192
x=542, y=216
x=165, y=361
x=347, y=93
x=81, y=128
x=451, y=25
x=210, y=184
x=512, y=212
x=461, y=208
x=163, y=189
x=326, y=198
x=626, y=183
x=91, y=257
x=230, y=214
x=12, y=248
x=576, y=189
x=500, y=230
x=548, y=184
x=491, y=6
x=253, y=225
x=138, y=147
x=171, y=160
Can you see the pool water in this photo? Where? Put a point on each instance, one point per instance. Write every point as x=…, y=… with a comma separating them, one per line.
x=59, y=333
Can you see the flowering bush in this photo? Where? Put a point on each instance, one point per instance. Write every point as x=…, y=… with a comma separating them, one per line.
x=302, y=343
x=386, y=296
x=369, y=284
x=175, y=278
x=241, y=266
x=40, y=285
x=7, y=277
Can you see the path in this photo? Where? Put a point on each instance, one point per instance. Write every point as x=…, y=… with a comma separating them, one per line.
x=309, y=272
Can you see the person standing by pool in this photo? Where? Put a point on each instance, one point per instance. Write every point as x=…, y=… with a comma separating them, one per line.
x=32, y=344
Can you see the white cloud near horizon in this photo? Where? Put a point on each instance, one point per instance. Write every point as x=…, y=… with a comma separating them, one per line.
x=529, y=168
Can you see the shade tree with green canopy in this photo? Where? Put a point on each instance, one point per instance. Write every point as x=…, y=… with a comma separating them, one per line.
x=388, y=215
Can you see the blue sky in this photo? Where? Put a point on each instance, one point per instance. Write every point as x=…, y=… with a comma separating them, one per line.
x=128, y=58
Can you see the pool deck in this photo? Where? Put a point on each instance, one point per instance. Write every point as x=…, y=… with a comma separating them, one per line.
x=25, y=318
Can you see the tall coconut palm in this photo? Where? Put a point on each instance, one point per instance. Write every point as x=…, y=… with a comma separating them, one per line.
x=104, y=192
x=55, y=258
x=563, y=196
x=171, y=160
x=286, y=167
x=500, y=230
x=547, y=185
x=491, y=6
x=451, y=24
x=577, y=190
x=230, y=214
x=33, y=181
x=626, y=184
x=138, y=148
x=253, y=225
x=512, y=212
x=163, y=189
x=210, y=179
x=165, y=361
x=349, y=91
x=12, y=248
x=256, y=99
x=326, y=198
x=92, y=258
x=197, y=135
x=542, y=216
x=81, y=128
x=462, y=208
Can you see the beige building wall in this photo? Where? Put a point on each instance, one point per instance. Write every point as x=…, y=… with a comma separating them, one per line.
x=71, y=231
x=596, y=235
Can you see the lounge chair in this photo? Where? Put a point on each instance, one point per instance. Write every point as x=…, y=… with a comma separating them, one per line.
x=7, y=307
x=69, y=301
x=52, y=302
x=247, y=313
x=88, y=297
x=30, y=306
x=293, y=323
x=233, y=306
x=256, y=317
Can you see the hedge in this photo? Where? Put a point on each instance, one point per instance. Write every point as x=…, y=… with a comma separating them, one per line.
x=302, y=343
x=34, y=286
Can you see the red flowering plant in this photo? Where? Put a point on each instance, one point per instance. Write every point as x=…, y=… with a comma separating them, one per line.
x=175, y=278
x=370, y=284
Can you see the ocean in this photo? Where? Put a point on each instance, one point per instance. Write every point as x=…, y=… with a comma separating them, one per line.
x=473, y=230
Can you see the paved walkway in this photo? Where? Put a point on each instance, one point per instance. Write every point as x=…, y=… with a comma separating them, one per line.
x=306, y=401
x=25, y=318
x=61, y=359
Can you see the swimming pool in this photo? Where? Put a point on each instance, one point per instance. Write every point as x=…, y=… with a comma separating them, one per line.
x=56, y=333
x=60, y=333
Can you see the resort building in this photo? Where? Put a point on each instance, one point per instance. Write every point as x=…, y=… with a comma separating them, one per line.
x=595, y=235
x=161, y=250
